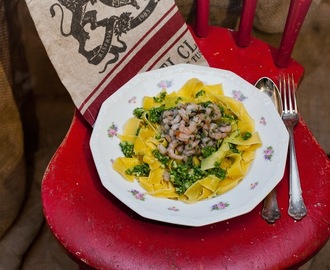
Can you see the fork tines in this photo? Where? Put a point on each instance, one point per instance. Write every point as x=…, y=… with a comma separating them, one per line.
x=288, y=89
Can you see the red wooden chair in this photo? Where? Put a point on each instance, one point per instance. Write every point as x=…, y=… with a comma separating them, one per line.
x=100, y=232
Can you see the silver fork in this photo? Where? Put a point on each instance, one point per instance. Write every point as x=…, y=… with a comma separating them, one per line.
x=297, y=208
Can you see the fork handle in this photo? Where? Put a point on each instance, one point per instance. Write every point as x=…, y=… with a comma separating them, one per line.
x=270, y=210
x=297, y=208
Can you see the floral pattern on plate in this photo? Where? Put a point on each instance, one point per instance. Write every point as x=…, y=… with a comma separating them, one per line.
x=132, y=100
x=238, y=95
x=138, y=195
x=253, y=185
x=112, y=130
x=173, y=208
x=263, y=121
x=268, y=153
x=114, y=113
x=219, y=206
x=165, y=84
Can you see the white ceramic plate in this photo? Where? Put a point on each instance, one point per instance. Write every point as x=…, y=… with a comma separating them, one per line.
x=265, y=173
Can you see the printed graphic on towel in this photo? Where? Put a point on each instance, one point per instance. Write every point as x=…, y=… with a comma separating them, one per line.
x=85, y=16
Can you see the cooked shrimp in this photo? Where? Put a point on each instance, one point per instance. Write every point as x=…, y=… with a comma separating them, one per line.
x=176, y=119
x=216, y=113
x=206, y=118
x=225, y=129
x=207, y=141
x=192, y=145
x=166, y=175
x=162, y=149
x=215, y=132
x=192, y=108
x=190, y=152
x=171, y=150
x=183, y=113
x=175, y=126
x=167, y=116
x=183, y=137
x=189, y=129
x=197, y=119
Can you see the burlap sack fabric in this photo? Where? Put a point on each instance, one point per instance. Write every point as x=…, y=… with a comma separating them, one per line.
x=25, y=240
x=20, y=219
x=12, y=174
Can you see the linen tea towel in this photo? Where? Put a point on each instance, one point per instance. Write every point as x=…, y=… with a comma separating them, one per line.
x=96, y=46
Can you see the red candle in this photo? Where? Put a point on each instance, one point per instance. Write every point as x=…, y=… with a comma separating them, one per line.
x=246, y=23
x=202, y=18
x=297, y=13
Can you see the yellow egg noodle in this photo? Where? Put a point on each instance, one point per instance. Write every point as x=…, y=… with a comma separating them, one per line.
x=188, y=145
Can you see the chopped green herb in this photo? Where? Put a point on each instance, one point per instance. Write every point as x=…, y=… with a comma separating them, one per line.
x=164, y=159
x=138, y=112
x=246, y=135
x=155, y=114
x=218, y=172
x=200, y=93
x=208, y=150
x=127, y=148
x=160, y=97
x=206, y=103
x=137, y=131
x=178, y=100
x=233, y=148
x=184, y=175
x=139, y=170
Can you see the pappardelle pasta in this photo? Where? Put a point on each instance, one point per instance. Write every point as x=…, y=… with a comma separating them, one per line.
x=188, y=145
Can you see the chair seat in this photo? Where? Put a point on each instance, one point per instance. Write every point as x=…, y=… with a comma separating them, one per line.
x=99, y=231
